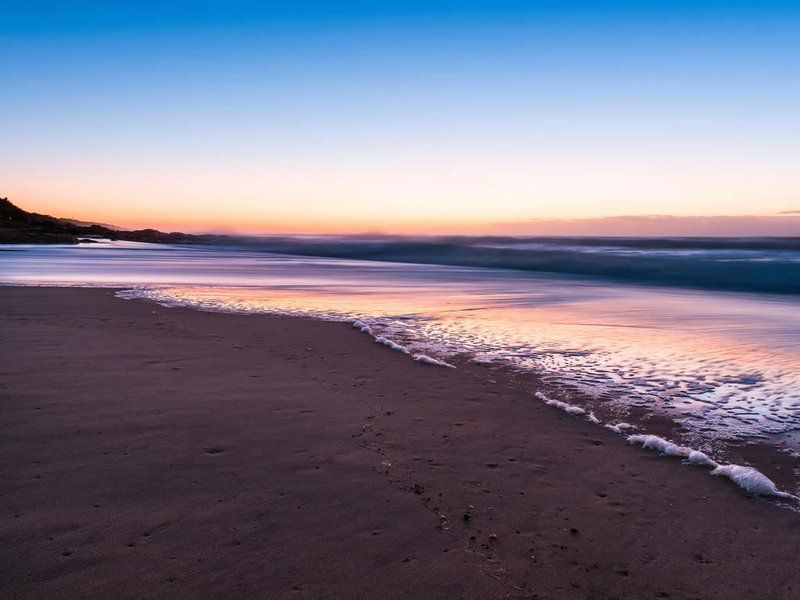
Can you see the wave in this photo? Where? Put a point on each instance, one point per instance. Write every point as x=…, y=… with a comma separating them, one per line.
x=769, y=265
x=748, y=478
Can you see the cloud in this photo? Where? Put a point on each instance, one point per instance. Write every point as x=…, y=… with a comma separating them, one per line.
x=659, y=225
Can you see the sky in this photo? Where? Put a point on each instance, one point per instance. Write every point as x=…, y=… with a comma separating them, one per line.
x=401, y=116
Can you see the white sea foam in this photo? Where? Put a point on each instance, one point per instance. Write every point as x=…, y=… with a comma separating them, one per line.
x=362, y=327
x=751, y=480
x=392, y=345
x=653, y=442
x=424, y=358
x=621, y=428
x=592, y=418
x=570, y=409
x=701, y=459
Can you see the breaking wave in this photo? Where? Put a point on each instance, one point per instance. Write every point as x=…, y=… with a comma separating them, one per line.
x=742, y=264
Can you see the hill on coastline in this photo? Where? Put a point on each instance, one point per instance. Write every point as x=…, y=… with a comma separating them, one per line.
x=18, y=226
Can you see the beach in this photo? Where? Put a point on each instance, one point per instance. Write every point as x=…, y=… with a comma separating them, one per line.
x=152, y=452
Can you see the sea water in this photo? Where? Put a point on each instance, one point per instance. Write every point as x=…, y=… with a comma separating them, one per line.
x=717, y=350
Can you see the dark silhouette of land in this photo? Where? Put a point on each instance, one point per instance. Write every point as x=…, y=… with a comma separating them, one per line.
x=18, y=226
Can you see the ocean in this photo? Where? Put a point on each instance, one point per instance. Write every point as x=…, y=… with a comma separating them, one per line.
x=705, y=332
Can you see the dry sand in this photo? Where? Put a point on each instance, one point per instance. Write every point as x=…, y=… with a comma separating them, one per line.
x=148, y=452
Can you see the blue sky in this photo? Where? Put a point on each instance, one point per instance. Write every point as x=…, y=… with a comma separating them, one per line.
x=391, y=115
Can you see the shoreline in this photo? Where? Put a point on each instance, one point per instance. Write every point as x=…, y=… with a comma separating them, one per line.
x=777, y=469
x=485, y=490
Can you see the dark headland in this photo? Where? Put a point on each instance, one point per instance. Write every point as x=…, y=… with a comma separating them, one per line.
x=18, y=226
x=149, y=452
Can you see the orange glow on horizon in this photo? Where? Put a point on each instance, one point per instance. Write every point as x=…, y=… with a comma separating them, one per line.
x=555, y=190
x=235, y=223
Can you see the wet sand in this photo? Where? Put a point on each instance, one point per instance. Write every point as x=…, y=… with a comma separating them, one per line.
x=148, y=452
